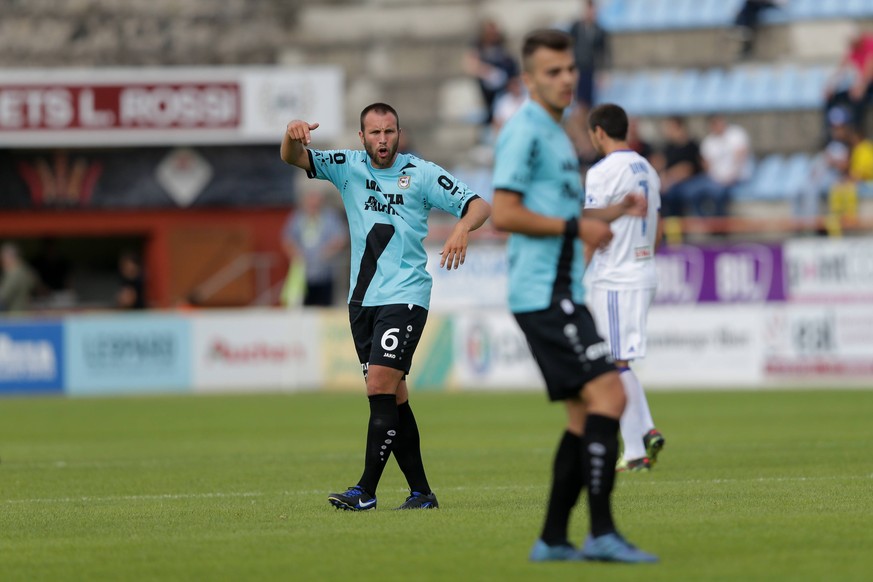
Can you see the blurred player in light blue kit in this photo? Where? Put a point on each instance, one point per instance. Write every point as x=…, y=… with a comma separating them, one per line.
x=388, y=196
x=538, y=199
x=621, y=277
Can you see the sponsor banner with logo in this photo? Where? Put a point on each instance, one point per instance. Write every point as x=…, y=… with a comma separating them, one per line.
x=480, y=282
x=431, y=365
x=172, y=105
x=240, y=351
x=735, y=273
x=829, y=269
x=703, y=346
x=137, y=353
x=31, y=357
x=812, y=343
x=491, y=352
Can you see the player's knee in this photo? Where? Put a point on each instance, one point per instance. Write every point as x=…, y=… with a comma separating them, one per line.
x=605, y=395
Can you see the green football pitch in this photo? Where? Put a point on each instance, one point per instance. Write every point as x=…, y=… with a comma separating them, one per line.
x=751, y=486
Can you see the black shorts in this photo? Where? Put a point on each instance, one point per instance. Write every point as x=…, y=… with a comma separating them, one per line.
x=566, y=347
x=387, y=335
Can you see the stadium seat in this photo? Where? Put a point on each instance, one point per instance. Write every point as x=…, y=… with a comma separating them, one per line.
x=765, y=183
x=712, y=85
x=796, y=173
x=787, y=91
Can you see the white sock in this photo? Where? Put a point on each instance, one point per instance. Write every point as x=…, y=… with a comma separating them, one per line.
x=636, y=420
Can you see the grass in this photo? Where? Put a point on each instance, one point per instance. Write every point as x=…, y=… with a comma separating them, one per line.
x=751, y=486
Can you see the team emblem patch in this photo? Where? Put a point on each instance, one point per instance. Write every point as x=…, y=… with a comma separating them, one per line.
x=403, y=182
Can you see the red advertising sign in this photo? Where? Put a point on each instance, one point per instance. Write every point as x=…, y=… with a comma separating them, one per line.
x=210, y=105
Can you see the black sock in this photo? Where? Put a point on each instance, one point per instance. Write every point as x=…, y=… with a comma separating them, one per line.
x=407, y=450
x=381, y=433
x=567, y=482
x=600, y=452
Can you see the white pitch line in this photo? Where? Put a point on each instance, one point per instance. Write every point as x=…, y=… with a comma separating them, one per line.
x=158, y=497
x=628, y=480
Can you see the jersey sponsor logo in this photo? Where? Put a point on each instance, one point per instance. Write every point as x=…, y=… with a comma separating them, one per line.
x=373, y=205
x=372, y=185
x=389, y=355
x=403, y=182
x=642, y=253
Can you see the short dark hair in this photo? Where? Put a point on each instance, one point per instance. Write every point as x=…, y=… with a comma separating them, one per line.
x=612, y=118
x=379, y=108
x=550, y=38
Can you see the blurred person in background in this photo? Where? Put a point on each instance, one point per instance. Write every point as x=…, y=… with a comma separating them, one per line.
x=18, y=282
x=507, y=103
x=843, y=195
x=388, y=197
x=492, y=64
x=827, y=168
x=313, y=238
x=747, y=21
x=622, y=277
x=686, y=189
x=131, y=290
x=636, y=142
x=726, y=157
x=590, y=52
x=851, y=84
x=537, y=199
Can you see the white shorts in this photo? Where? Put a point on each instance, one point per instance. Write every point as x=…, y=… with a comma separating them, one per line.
x=621, y=319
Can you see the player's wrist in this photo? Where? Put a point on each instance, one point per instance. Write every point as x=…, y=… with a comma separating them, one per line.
x=571, y=227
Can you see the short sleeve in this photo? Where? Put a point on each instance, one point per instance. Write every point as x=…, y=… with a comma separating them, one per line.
x=596, y=191
x=446, y=192
x=514, y=157
x=330, y=165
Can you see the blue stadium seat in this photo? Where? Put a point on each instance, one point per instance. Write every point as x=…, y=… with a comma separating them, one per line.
x=796, y=173
x=637, y=101
x=766, y=182
x=786, y=93
x=611, y=88
x=812, y=85
x=712, y=86
x=685, y=93
x=738, y=88
x=717, y=13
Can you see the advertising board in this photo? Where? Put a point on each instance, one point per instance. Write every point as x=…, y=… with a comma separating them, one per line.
x=31, y=357
x=243, y=351
x=136, y=353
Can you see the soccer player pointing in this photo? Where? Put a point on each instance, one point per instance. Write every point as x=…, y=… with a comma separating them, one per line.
x=387, y=196
x=538, y=199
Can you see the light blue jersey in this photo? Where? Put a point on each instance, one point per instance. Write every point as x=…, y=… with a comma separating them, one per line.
x=387, y=212
x=535, y=158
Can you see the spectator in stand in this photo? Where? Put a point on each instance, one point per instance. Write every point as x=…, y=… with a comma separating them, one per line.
x=52, y=268
x=829, y=167
x=507, y=103
x=747, y=22
x=492, y=64
x=315, y=235
x=850, y=85
x=18, y=281
x=131, y=291
x=590, y=52
x=636, y=142
x=843, y=196
x=684, y=184
x=725, y=153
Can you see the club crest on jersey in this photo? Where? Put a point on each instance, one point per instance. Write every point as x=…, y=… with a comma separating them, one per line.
x=403, y=182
